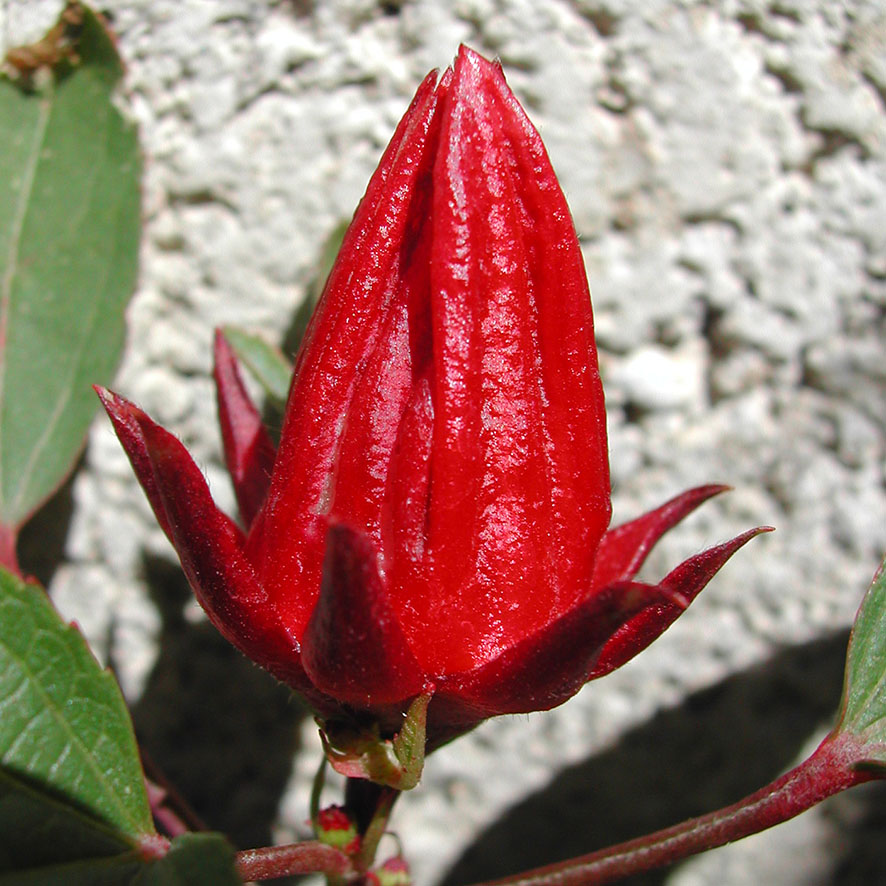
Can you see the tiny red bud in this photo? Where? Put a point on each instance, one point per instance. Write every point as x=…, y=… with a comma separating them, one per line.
x=394, y=872
x=336, y=828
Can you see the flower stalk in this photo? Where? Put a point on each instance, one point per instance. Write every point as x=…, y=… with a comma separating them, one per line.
x=832, y=768
x=378, y=823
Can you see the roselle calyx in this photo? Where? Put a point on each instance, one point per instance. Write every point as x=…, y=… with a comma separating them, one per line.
x=434, y=521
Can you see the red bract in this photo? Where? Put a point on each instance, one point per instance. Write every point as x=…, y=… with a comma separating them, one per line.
x=435, y=520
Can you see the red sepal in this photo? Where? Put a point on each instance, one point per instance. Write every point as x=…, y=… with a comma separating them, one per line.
x=624, y=548
x=681, y=586
x=550, y=666
x=353, y=647
x=125, y=419
x=208, y=542
x=249, y=452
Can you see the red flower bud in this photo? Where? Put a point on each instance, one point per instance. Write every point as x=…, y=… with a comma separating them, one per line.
x=436, y=517
x=393, y=872
x=335, y=828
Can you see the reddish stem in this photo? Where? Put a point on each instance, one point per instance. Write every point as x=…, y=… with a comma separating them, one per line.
x=8, y=541
x=272, y=862
x=168, y=806
x=828, y=771
x=171, y=824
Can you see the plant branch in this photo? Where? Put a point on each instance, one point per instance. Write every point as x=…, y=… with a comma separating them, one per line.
x=316, y=791
x=377, y=827
x=164, y=817
x=831, y=769
x=8, y=543
x=272, y=862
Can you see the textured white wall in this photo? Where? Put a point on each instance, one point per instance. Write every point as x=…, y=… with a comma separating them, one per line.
x=726, y=168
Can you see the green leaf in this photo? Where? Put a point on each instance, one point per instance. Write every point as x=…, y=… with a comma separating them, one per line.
x=64, y=728
x=69, y=235
x=863, y=708
x=271, y=369
x=192, y=860
x=37, y=829
x=117, y=871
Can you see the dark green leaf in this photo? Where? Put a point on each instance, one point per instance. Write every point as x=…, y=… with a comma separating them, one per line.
x=863, y=710
x=119, y=870
x=192, y=860
x=266, y=362
x=69, y=234
x=37, y=828
x=64, y=728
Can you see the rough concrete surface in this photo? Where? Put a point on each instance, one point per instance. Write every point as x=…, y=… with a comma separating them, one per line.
x=726, y=167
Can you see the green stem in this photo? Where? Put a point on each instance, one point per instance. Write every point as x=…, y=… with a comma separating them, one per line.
x=316, y=791
x=370, y=803
x=377, y=827
x=828, y=771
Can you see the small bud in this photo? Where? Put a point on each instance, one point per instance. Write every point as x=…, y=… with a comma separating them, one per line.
x=336, y=828
x=394, y=872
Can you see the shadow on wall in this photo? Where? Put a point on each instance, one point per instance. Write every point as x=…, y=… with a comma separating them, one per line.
x=722, y=744
x=41, y=547
x=221, y=729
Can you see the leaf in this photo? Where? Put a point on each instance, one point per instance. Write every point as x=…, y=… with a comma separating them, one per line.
x=69, y=235
x=64, y=728
x=37, y=829
x=863, y=708
x=117, y=871
x=192, y=860
x=271, y=369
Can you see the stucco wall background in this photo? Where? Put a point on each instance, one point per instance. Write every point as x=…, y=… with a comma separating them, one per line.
x=726, y=168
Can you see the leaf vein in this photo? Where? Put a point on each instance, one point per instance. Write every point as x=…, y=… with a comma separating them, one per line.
x=77, y=743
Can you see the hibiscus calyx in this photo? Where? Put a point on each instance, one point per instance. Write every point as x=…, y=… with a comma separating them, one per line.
x=429, y=545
